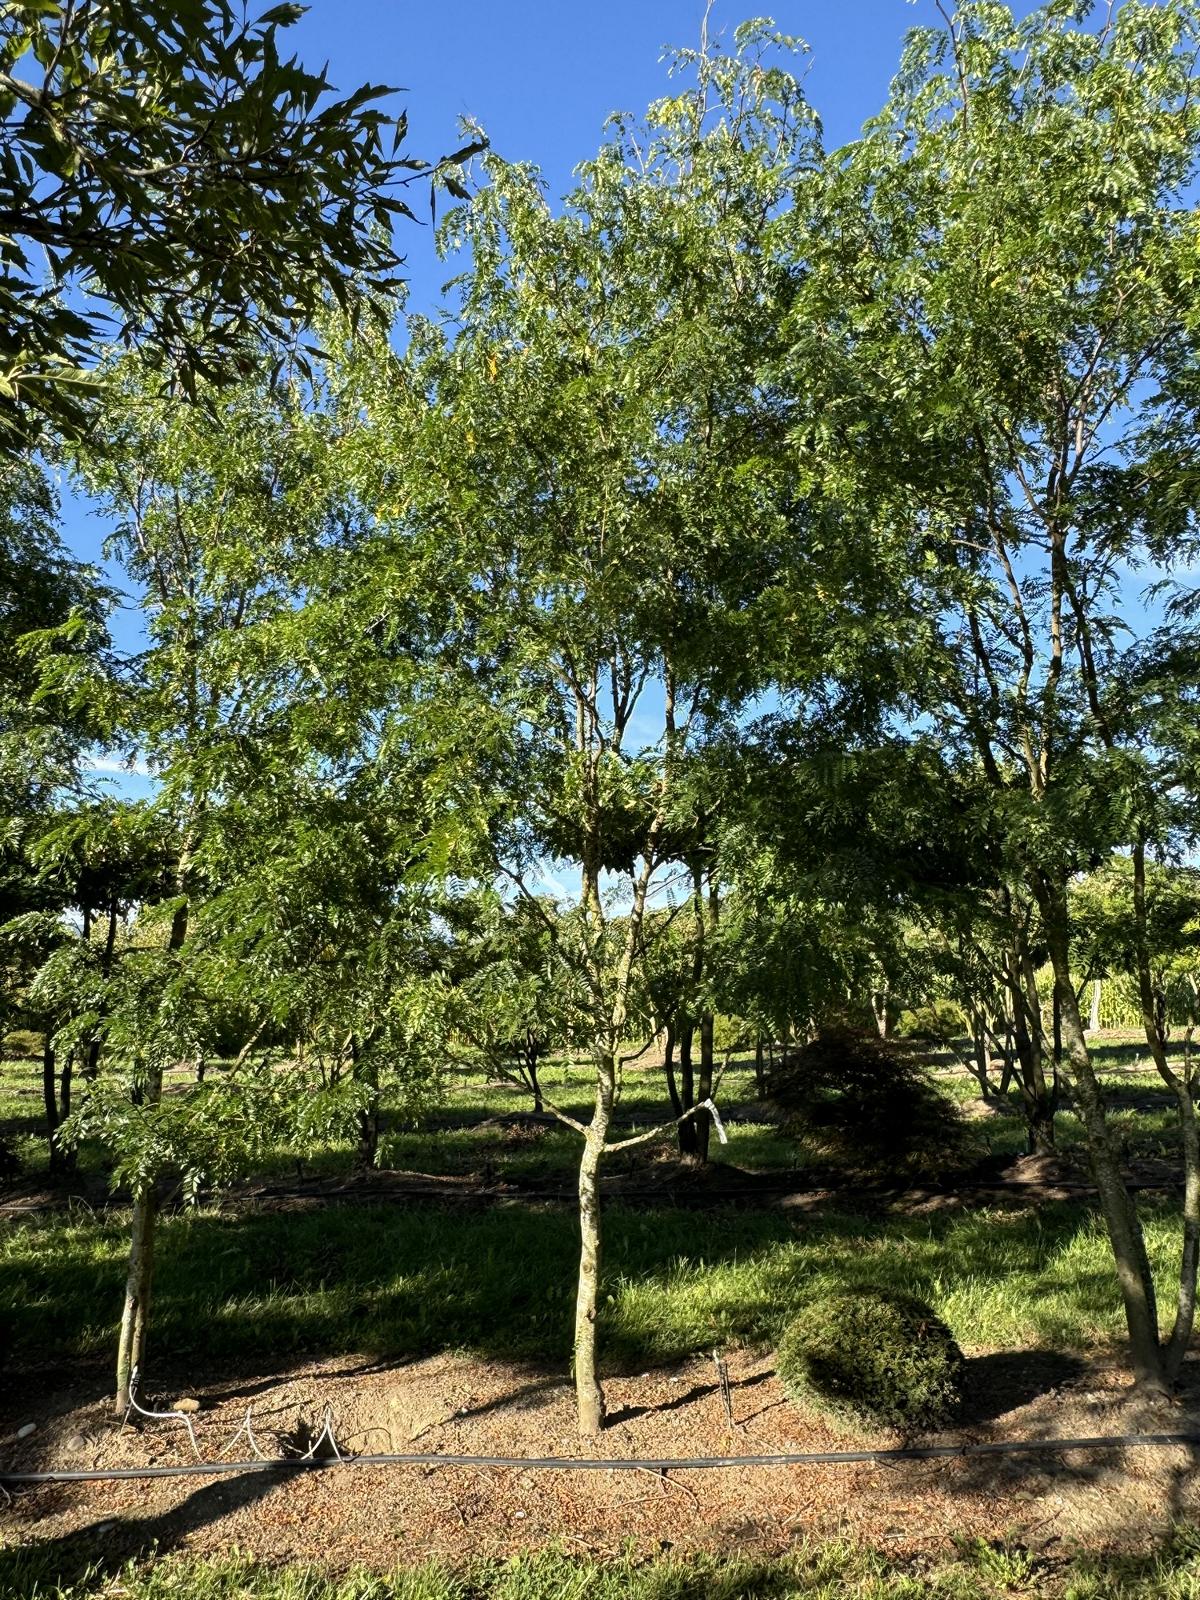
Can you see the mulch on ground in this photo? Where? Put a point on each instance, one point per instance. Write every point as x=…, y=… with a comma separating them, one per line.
x=455, y=1405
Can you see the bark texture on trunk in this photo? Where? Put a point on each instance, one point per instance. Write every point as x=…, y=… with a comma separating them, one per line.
x=135, y=1318
x=1116, y=1203
x=589, y=1396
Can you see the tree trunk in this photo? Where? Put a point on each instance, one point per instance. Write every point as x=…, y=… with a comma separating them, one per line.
x=703, y=1124
x=669, y=1069
x=1029, y=1041
x=760, y=1077
x=532, y=1054
x=1094, y=1017
x=135, y=1320
x=688, y=1145
x=50, y=1098
x=980, y=1049
x=883, y=1013
x=589, y=1396
x=368, y=1116
x=1116, y=1204
x=66, y=1158
x=1154, y=1024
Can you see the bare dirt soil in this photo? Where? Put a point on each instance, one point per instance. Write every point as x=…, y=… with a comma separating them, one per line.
x=666, y=1180
x=1124, y=1498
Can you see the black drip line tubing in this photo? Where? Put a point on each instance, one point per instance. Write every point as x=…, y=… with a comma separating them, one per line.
x=933, y=1452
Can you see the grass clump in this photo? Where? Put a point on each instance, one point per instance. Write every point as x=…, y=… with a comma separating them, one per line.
x=814, y=1571
x=874, y=1356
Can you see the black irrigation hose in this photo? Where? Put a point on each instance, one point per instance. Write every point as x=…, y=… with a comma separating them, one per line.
x=929, y=1452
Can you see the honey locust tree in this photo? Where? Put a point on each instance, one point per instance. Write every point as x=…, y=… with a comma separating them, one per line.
x=44, y=736
x=579, y=467
x=999, y=315
x=281, y=907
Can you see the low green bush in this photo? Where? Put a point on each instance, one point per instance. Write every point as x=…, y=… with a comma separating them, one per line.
x=22, y=1044
x=939, y=1021
x=873, y=1356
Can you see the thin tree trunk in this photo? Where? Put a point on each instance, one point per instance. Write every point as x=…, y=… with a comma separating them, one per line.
x=588, y=1394
x=980, y=1051
x=135, y=1320
x=702, y=1124
x=1154, y=1024
x=704, y=1088
x=1094, y=1017
x=669, y=1068
x=760, y=1080
x=50, y=1097
x=1039, y=1103
x=879, y=1008
x=532, y=1052
x=368, y=1116
x=1116, y=1204
x=687, y=1088
x=1010, y=1056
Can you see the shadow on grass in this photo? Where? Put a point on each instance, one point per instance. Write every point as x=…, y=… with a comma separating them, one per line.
x=257, y=1290
x=87, y=1561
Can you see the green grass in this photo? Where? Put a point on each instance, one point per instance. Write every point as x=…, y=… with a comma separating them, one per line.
x=389, y=1280
x=453, y=1138
x=832, y=1571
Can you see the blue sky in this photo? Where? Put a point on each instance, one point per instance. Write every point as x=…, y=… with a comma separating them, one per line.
x=541, y=76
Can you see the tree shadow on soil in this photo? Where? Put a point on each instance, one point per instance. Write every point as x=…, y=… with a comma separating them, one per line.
x=698, y=1391
x=1005, y=1379
x=90, y=1557
x=1101, y=1497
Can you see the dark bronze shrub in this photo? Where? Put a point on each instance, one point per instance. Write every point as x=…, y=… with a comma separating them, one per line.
x=863, y=1103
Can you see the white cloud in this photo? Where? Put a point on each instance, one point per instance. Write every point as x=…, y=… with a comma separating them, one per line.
x=111, y=764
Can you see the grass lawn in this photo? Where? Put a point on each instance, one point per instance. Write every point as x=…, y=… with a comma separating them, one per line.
x=826, y=1572
x=389, y=1280
x=394, y=1281
x=462, y=1136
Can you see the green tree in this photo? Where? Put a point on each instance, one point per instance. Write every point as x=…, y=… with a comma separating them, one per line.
x=281, y=912
x=1000, y=305
x=579, y=469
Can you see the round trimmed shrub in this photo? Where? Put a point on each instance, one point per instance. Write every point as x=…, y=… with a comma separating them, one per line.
x=873, y=1356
